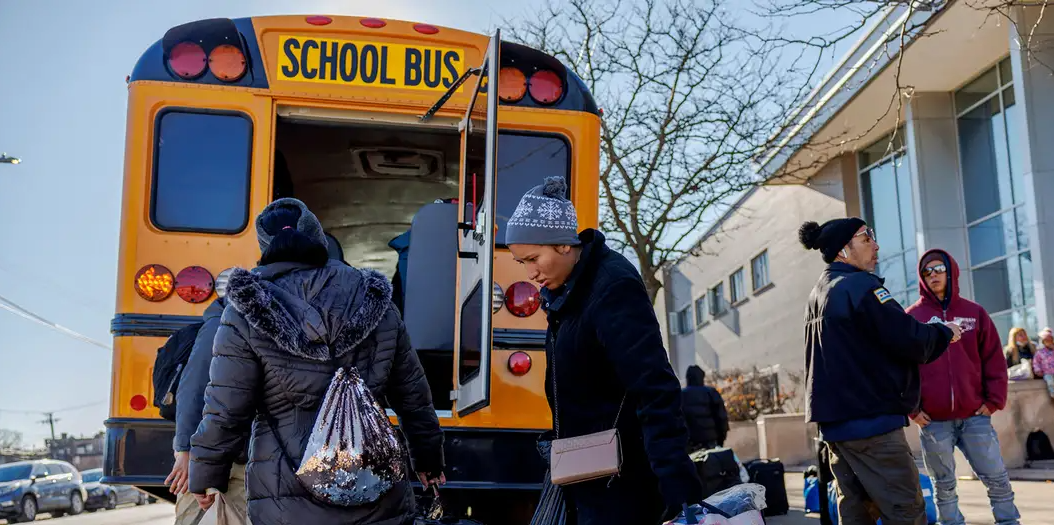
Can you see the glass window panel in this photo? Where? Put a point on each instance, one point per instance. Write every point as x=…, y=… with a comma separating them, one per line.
x=700, y=310
x=1003, y=323
x=892, y=269
x=1006, y=71
x=975, y=91
x=1014, y=132
x=991, y=286
x=1027, y=319
x=979, y=159
x=1020, y=230
x=760, y=269
x=881, y=148
x=1027, y=289
x=989, y=239
x=523, y=162
x=738, y=286
x=906, y=204
x=717, y=299
x=1002, y=161
x=882, y=208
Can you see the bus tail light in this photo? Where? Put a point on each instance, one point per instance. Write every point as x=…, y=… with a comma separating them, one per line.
x=221, y=281
x=194, y=284
x=187, y=60
x=497, y=298
x=519, y=363
x=154, y=283
x=523, y=299
x=227, y=63
x=512, y=84
x=545, y=87
x=138, y=402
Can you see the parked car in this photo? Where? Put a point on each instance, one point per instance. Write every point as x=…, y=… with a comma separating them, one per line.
x=103, y=496
x=46, y=485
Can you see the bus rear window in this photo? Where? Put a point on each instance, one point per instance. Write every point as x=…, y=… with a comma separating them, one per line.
x=524, y=161
x=201, y=172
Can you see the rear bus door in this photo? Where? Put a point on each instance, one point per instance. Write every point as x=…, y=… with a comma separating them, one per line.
x=472, y=338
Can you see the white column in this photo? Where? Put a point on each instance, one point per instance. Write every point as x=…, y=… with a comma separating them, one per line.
x=933, y=157
x=1033, y=67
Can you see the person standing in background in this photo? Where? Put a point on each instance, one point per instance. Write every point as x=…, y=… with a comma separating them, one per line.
x=960, y=392
x=1018, y=347
x=1043, y=363
x=704, y=412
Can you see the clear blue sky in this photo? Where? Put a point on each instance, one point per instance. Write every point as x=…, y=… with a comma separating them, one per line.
x=62, y=110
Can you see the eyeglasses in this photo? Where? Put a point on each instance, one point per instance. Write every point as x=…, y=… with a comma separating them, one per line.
x=869, y=233
x=940, y=268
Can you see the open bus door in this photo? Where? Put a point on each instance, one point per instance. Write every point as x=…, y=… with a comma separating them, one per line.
x=472, y=339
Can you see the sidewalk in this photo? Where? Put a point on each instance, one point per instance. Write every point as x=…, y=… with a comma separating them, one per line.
x=1035, y=500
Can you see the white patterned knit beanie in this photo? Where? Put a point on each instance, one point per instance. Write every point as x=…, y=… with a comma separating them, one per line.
x=545, y=216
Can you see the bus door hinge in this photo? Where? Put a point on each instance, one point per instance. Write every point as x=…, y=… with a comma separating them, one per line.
x=453, y=395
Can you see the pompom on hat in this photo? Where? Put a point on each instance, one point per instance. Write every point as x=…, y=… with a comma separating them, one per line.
x=830, y=237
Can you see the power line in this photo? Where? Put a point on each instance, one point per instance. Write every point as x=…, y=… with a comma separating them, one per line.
x=22, y=312
x=45, y=412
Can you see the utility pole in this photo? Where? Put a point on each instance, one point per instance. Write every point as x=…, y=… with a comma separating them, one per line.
x=50, y=421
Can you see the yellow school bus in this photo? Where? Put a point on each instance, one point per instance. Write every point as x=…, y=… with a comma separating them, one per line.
x=388, y=130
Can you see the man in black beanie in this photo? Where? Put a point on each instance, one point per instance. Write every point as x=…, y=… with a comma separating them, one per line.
x=862, y=357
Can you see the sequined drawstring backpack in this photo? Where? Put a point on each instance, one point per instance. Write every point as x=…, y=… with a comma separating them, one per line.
x=353, y=455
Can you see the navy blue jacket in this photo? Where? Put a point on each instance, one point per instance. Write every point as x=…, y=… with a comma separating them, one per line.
x=190, y=397
x=604, y=344
x=862, y=351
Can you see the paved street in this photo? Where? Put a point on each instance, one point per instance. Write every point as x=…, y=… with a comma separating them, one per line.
x=160, y=513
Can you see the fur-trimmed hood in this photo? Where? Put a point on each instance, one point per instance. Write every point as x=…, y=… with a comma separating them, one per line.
x=310, y=312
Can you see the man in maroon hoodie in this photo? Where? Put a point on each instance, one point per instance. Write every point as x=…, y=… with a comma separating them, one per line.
x=960, y=391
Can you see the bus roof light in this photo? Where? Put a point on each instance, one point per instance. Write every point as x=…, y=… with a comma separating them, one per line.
x=522, y=299
x=318, y=20
x=545, y=87
x=154, y=283
x=194, y=284
x=187, y=60
x=512, y=84
x=373, y=23
x=519, y=363
x=227, y=63
x=426, y=29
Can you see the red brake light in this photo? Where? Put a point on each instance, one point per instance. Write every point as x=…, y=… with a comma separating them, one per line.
x=194, y=284
x=373, y=23
x=522, y=299
x=187, y=60
x=546, y=87
x=512, y=84
x=227, y=63
x=519, y=363
x=318, y=20
x=154, y=282
x=138, y=402
x=426, y=29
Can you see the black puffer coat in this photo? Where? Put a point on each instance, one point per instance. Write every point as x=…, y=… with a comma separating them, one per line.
x=272, y=351
x=704, y=411
x=604, y=345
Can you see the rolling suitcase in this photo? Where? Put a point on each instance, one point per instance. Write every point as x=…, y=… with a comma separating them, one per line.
x=769, y=474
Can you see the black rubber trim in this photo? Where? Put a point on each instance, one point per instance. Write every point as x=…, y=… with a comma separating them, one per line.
x=149, y=325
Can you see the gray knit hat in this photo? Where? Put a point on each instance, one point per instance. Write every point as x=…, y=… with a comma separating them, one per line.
x=307, y=224
x=544, y=216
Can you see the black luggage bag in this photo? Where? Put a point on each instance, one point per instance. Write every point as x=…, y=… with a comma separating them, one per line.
x=769, y=474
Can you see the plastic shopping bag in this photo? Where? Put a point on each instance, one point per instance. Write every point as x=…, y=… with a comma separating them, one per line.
x=739, y=505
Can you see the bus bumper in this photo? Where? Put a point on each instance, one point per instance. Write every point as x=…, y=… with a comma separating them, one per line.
x=139, y=452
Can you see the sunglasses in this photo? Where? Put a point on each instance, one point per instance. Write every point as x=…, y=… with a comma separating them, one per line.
x=940, y=268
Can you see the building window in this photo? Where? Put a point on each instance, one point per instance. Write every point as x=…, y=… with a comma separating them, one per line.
x=684, y=319
x=700, y=310
x=999, y=254
x=759, y=270
x=717, y=300
x=737, y=284
x=887, y=195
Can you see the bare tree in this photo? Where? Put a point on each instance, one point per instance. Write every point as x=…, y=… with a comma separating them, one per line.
x=690, y=96
x=10, y=439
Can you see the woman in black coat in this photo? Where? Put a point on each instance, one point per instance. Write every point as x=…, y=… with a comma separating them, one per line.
x=272, y=354
x=606, y=363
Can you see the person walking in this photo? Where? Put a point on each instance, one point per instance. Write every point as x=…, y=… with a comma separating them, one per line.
x=704, y=412
x=290, y=323
x=960, y=392
x=862, y=353
x=606, y=365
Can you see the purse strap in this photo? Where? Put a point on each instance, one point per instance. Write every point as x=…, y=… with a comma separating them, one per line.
x=556, y=396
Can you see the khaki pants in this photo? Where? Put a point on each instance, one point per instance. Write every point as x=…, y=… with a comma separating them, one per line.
x=877, y=477
x=189, y=513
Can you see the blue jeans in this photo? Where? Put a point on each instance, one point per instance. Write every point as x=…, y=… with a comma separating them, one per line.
x=979, y=443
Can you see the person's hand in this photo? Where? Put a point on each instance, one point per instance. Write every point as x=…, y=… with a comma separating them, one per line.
x=178, y=480
x=429, y=479
x=957, y=331
x=983, y=411
x=922, y=419
x=205, y=500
